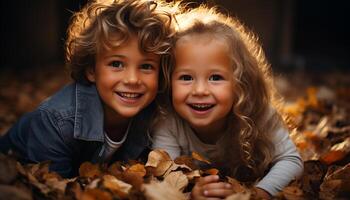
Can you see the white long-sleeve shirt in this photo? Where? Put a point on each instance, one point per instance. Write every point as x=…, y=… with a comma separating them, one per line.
x=177, y=138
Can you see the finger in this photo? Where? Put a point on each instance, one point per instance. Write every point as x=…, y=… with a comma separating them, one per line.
x=217, y=185
x=220, y=193
x=208, y=179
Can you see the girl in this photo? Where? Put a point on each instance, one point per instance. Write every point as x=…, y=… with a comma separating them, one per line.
x=222, y=94
x=116, y=50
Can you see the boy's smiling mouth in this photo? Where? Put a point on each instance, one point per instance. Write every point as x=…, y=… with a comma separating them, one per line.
x=129, y=95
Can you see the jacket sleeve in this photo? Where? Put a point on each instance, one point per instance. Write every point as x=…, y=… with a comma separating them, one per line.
x=37, y=137
x=287, y=164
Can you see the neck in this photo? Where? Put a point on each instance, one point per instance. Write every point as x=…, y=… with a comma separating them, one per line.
x=115, y=125
x=212, y=133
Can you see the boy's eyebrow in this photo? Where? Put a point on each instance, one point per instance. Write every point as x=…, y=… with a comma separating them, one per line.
x=115, y=55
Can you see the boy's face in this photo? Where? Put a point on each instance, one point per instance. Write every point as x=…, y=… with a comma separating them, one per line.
x=203, y=83
x=126, y=78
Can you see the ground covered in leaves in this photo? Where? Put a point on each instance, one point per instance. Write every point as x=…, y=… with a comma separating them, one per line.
x=318, y=108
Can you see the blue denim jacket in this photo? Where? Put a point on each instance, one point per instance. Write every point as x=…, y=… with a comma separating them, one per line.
x=67, y=129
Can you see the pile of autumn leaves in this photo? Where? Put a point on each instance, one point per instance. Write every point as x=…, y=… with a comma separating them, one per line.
x=321, y=132
x=160, y=178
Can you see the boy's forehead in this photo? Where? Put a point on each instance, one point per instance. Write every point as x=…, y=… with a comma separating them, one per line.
x=128, y=48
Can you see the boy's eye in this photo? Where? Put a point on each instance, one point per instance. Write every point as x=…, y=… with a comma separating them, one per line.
x=116, y=64
x=216, y=77
x=185, y=78
x=147, y=66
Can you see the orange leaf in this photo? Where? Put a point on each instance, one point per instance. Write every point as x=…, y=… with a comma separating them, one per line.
x=89, y=170
x=116, y=186
x=96, y=194
x=197, y=156
x=138, y=169
x=211, y=171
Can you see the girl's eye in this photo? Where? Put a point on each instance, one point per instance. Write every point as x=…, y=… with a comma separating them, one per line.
x=116, y=64
x=147, y=66
x=185, y=78
x=216, y=77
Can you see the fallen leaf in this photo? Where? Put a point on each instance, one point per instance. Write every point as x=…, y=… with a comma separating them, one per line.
x=211, y=171
x=198, y=157
x=237, y=187
x=95, y=194
x=293, y=193
x=116, y=186
x=89, y=170
x=239, y=196
x=162, y=191
x=139, y=169
x=177, y=179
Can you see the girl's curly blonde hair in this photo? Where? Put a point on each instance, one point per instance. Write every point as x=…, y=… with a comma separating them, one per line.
x=248, y=150
x=109, y=23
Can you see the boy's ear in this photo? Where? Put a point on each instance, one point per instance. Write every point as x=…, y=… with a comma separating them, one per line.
x=90, y=74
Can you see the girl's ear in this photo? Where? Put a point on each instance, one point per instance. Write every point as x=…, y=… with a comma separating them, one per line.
x=90, y=74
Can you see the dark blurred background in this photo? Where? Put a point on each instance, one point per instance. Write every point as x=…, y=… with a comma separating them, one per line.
x=296, y=34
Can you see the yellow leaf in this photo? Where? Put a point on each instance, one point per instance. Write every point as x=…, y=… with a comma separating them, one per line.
x=116, y=186
x=162, y=191
x=177, y=179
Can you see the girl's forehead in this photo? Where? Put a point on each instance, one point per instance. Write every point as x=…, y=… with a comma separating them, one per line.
x=201, y=38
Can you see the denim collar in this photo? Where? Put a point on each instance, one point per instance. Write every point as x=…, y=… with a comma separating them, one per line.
x=88, y=123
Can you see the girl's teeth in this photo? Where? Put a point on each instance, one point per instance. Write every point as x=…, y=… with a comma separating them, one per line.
x=201, y=105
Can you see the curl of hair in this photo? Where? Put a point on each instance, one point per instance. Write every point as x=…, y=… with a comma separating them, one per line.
x=105, y=24
x=254, y=114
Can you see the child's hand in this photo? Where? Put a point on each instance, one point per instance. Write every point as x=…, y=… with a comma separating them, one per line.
x=261, y=194
x=209, y=188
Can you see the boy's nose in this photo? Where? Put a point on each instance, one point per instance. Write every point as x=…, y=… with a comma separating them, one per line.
x=132, y=77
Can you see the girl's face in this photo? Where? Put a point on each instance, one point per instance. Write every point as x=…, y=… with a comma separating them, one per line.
x=203, y=82
x=126, y=79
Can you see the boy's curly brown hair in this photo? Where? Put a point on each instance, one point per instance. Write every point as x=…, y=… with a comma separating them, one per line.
x=104, y=24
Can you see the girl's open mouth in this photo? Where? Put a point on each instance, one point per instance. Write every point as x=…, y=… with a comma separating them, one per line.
x=201, y=107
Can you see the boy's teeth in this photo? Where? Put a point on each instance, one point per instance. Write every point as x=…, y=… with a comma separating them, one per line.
x=129, y=95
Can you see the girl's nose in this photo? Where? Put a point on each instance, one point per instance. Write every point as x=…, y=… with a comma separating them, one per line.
x=131, y=77
x=200, y=89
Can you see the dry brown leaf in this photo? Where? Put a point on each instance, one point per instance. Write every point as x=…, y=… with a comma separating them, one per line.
x=73, y=189
x=95, y=194
x=116, y=170
x=8, y=192
x=293, y=193
x=341, y=173
x=55, y=181
x=161, y=191
x=337, y=152
x=239, y=196
x=8, y=170
x=156, y=157
x=159, y=162
x=211, y=171
x=116, y=186
x=89, y=170
x=134, y=179
x=187, y=161
x=139, y=169
x=237, y=187
x=177, y=179
x=175, y=167
x=193, y=174
x=197, y=156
